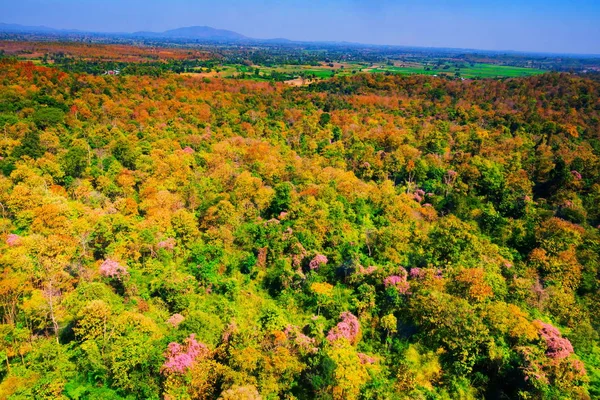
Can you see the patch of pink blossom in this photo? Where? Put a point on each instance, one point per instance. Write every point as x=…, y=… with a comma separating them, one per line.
x=418, y=195
x=558, y=347
x=175, y=320
x=365, y=359
x=366, y=271
x=576, y=175
x=112, y=269
x=348, y=328
x=317, y=261
x=13, y=240
x=182, y=357
x=188, y=150
x=400, y=283
x=416, y=273
x=168, y=244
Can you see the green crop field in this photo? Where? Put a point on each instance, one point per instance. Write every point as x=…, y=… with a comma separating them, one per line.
x=471, y=71
x=475, y=71
x=325, y=72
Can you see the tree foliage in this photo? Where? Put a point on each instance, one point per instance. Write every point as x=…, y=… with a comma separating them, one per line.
x=369, y=236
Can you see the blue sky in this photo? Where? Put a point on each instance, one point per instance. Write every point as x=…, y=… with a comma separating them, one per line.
x=526, y=25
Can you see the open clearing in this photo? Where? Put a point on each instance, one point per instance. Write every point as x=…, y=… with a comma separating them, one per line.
x=300, y=75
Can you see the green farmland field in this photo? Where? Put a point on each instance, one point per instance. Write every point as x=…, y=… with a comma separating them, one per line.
x=326, y=72
x=475, y=71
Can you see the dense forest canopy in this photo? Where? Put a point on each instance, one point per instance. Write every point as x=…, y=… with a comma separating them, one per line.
x=367, y=237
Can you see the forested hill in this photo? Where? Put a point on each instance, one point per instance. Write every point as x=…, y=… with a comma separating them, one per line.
x=367, y=237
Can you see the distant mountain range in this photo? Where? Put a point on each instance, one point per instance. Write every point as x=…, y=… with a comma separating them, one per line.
x=195, y=32
x=204, y=33
x=192, y=33
x=16, y=28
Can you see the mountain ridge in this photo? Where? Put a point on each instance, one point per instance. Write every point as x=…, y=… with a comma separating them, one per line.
x=196, y=32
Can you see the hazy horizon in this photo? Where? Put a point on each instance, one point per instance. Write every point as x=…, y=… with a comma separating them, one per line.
x=539, y=26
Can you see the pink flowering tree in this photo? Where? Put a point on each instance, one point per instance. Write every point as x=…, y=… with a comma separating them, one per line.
x=181, y=358
x=317, y=261
x=419, y=195
x=13, y=240
x=398, y=282
x=175, y=320
x=348, y=328
x=112, y=269
x=188, y=150
x=416, y=273
x=554, y=366
x=365, y=359
x=366, y=271
x=558, y=346
x=167, y=244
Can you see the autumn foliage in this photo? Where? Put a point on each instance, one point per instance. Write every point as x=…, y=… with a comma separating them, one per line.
x=182, y=238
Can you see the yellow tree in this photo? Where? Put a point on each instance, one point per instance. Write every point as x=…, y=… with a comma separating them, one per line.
x=350, y=373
